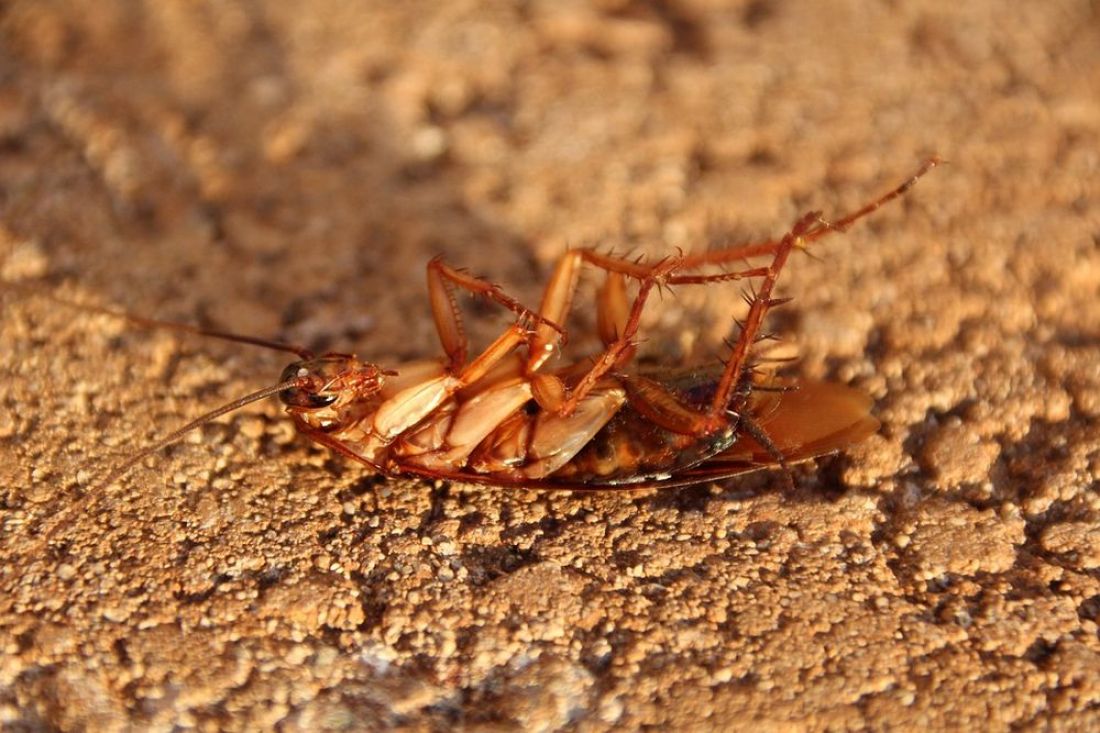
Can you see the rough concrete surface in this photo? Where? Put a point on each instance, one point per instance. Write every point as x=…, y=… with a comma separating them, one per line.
x=287, y=169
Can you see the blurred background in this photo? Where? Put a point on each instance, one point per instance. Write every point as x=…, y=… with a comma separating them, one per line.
x=287, y=169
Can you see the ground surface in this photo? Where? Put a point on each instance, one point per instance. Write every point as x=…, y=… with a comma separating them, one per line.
x=288, y=169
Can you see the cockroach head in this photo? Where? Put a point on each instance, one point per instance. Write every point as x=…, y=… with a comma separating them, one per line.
x=326, y=380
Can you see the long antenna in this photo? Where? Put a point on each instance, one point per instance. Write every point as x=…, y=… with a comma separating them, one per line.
x=178, y=433
x=58, y=519
x=153, y=323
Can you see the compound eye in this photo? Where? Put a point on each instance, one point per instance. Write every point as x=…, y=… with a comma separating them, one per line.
x=302, y=397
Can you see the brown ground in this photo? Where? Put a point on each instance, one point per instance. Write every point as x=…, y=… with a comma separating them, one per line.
x=288, y=168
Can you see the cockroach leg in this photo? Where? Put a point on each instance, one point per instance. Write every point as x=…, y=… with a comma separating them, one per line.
x=612, y=308
x=448, y=318
x=809, y=228
x=658, y=404
x=557, y=299
x=758, y=309
x=847, y=220
x=769, y=247
x=505, y=344
x=757, y=433
x=611, y=263
x=738, y=253
x=620, y=349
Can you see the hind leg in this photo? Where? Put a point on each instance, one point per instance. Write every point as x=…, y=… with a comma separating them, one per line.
x=812, y=234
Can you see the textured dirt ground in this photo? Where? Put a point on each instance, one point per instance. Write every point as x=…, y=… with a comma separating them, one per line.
x=288, y=169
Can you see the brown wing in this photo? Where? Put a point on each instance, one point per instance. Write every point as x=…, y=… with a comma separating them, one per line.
x=815, y=419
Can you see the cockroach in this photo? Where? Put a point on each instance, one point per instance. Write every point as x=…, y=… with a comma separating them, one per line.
x=511, y=416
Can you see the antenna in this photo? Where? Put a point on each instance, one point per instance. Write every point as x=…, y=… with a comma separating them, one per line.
x=154, y=324
x=178, y=433
x=59, y=519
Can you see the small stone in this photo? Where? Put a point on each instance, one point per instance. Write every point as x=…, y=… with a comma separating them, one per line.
x=955, y=454
x=1080, y=539
x=26, y=261
x=39, y=492
x=116, y=614
x=251, y=426
x=956, y=538
x=429, y=142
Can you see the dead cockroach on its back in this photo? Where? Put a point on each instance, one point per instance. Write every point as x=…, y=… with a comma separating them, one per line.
x=509, y=416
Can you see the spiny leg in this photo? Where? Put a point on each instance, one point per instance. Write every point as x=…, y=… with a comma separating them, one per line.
x=622, y=348
x=759, y=306
x=810, y=227
x=613, y=308
x=442, y=278
x=619, y=337
x=504, y=344
x=770, y=247
x=653, y=399
x=757, y=433
x=841, y=224
x=557, y=299
x=618, y=331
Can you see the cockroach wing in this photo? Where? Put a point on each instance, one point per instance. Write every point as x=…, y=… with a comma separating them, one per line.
x=815, y=419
